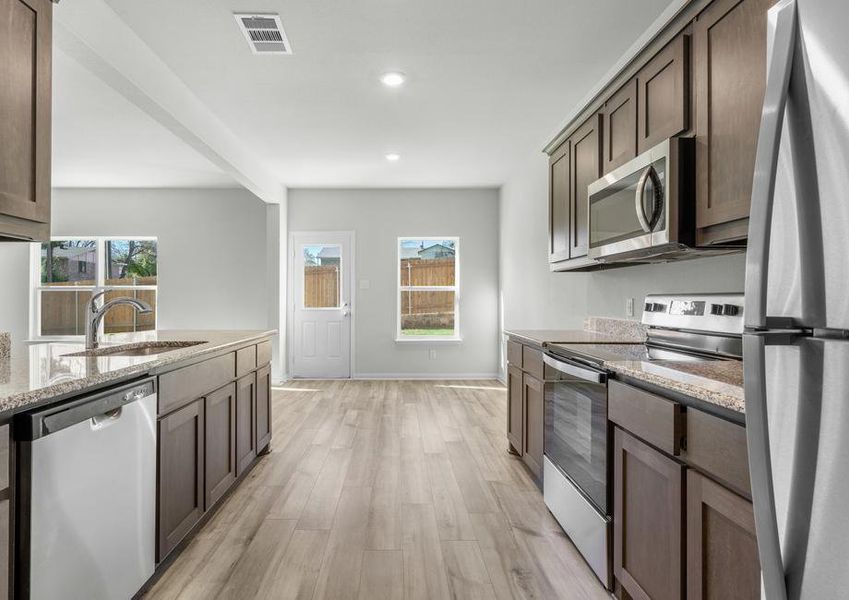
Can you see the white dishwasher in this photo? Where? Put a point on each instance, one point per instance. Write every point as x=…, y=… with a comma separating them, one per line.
x=87, y=473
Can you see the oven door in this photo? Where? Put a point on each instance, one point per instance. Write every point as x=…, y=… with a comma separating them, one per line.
x=576, y=427
x=628, y=206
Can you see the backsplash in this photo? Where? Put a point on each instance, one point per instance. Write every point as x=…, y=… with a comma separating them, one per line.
x=5, y=344
x=618, y=327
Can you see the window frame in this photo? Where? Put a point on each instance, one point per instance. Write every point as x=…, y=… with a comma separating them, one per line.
x=400, y=289
x=36, y=287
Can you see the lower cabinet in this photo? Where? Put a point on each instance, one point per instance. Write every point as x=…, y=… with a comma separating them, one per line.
x=722, y=550
x=245, y=422
x=648, y=525
x=263, y=407
x=220, y=443
x=515, y=408
x=532, y=447
x=206, y=443
x=181, y=474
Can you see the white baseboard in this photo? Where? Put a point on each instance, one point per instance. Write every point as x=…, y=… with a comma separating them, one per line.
x=428, y=376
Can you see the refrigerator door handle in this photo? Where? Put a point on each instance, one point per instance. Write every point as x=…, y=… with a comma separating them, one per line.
x=760, y=467
x=781, y=39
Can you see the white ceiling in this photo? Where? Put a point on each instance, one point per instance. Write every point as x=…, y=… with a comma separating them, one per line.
x=100, y=139
x=488, y=82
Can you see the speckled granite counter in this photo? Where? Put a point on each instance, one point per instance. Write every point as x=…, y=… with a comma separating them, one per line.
x=5, y=345
x=44, y=372
x=597, y=330
x=718, y=382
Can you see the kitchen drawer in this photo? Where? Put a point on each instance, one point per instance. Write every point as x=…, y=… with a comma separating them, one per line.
x=718, y=448
x=514, y=353
x=656, y=420
x=176, y=388
x=245, y=360
x=263, y=353
x=532, y=362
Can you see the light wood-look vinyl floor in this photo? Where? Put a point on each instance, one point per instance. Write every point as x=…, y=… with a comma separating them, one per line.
x=383, y=489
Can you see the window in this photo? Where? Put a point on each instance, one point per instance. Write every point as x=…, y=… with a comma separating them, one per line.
x=66, y=271
x=428, y=288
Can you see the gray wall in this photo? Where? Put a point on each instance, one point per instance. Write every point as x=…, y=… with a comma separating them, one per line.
x=212, y=253
x=379, y=217
x=533, y=297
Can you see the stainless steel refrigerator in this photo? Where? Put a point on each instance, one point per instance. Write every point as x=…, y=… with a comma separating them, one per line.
x=796, y=347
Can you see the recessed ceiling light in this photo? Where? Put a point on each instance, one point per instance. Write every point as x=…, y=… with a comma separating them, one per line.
x=393, y=79
x=393, y=157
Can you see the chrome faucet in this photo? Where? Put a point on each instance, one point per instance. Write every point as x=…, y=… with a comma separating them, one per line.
x=94, y=315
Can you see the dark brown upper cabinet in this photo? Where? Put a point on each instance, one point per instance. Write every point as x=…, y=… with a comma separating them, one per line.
x=181, y=475
x=25, y=108
x=620, y=127
x=663, y=97
x=648, y=528
x=558, y=204
x=722, y=550
x=586, y=163
x=220, y=443
x=729, y=62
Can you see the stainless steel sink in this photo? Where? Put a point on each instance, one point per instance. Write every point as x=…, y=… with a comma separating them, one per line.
x=137, y=349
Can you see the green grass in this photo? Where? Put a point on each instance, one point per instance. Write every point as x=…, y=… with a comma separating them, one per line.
x=413, y=332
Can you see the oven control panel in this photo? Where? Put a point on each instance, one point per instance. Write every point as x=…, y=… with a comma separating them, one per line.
x=720, y=313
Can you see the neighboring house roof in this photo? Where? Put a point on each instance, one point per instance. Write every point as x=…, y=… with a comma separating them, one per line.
x=437, y=249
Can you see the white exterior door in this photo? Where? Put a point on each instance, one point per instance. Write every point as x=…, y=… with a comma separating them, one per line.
x=321, y=324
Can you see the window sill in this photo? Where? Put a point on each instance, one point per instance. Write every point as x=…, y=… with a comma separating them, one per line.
x=428, y=340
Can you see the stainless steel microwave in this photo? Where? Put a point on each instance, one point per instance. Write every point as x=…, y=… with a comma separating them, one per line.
x=644, y=211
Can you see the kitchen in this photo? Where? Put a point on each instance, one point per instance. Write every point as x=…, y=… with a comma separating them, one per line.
x=374, y=356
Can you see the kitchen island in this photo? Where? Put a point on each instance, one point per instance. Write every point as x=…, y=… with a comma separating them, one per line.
x=212, y=418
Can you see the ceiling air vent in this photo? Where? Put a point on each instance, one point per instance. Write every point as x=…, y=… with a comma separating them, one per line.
x=264, y=33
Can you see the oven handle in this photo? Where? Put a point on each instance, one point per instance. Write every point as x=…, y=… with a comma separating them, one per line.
x=575, y=370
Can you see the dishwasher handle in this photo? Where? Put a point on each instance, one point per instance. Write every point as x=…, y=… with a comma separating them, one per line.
x=101, y=408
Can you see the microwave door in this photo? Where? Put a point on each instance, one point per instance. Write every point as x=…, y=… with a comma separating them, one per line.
x=617, y=219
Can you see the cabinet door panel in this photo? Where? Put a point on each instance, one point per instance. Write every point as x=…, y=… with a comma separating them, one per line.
x=663, y=95
x=620, y=127
x=245, y=422
x=729, y=58
x=515, y=408
x=263, y=407
x=558, y=204
x=220, y=455
x=648, y=542
x=25, y=105
x=585, y=169
x=181, y=474
x=722, y=550
x=533, y=424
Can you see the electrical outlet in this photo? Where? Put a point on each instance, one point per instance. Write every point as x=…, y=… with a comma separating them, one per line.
x=432, y=354
x=629, y=307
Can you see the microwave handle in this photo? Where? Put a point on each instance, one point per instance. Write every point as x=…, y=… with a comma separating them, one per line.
x=639, y=206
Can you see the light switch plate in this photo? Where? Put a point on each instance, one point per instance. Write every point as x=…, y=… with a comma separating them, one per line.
x=629, y=307
x=432, y=354
x=364, y=284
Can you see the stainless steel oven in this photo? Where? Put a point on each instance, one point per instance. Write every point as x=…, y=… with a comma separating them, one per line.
x=644, y=211
x=576, y=458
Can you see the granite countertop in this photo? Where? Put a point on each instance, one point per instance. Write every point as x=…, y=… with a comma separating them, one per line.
x=597, y=330
x=718, y=382
x=45, y=371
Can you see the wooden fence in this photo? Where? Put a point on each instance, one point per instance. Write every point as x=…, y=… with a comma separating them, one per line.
x=321, y=286
x=63, y=311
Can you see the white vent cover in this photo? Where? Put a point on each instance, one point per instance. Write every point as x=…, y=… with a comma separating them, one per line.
x=264, y=33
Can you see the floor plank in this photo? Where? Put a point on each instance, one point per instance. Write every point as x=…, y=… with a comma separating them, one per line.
x=383, y=489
